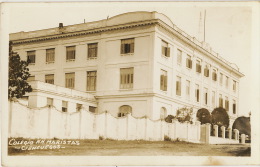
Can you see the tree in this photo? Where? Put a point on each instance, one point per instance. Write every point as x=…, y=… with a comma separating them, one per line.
x=184, y=114
x=18, y=74
x=243, y=125
x=204, y=116
x=220, y=117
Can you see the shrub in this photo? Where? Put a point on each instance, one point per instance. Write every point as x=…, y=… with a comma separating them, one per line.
x=220, y=117
x=184, y=114
x=204, y=116
x=169, y=118
x=243, y=125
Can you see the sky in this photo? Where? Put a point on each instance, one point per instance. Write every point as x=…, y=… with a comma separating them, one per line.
x=228, y=27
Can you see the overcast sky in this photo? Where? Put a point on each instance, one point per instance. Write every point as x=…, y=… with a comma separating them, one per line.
x=228, y=28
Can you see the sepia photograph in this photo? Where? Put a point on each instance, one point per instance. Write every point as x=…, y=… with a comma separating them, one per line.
x=130, y=83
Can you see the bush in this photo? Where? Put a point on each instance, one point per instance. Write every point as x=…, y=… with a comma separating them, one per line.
x=243, y=125
x=204, y=116
x=219, y=116
x=184, y=114
x=169, y=118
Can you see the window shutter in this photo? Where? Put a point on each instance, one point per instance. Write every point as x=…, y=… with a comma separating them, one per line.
x=165, y=83
x=198, y=94
x=161, y=84
x=177, y=87
x=168, y=52
x=187, y=62
x=163, y=50
x=190, y=63
x=122, y=48
x=206, y=98
x=132, y=48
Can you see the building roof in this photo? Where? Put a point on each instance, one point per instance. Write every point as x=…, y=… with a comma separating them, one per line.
x=122, y=21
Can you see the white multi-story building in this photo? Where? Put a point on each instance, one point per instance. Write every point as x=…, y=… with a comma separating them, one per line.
x=137, y=62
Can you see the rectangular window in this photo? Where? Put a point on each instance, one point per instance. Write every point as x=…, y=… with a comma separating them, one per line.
x=178, y=86
x=70, y=80
x=221, y=79
x=227, y=81
x=126, y=78
x=213, y=99
x=206, y=96
x=70, y=53
x=92, y=50
x=50, y=55
x=30, y=78
x=198, y=66
x=234, y=107
x=91, y=80
x=197, y=93
x=206, y=71
x=179, y=56
x=78, y=107
x=49, y=78
x=220, y=101
x=49, y=101
x=234, y=86
x=127, y=46
x=92, y=109
x=163, y=83
x=31, y=57
x=226, y=104
x=188, y=62
x=165, y=49
x=187, y=89
x=64, y=106
x=214, y=75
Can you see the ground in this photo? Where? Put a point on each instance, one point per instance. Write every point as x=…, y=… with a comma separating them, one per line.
x=128, y=148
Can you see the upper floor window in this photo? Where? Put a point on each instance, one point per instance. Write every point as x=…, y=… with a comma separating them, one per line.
x=165, y=49
x=64, y=106
x=31, y=78
x=187, y=89
x=70, y=80
x=214, y=75
x=227, y=78
x=178, y=86
x=49, y=78
x=213, y=99
x=234, y=85
x=49, y=101
x=198, y=66
x=163, y=113
x=188, y=62
x=234, y=107
x=163, y=81
x=124, y=110
x=206, y=96
x=78, y=107
x=197, y=93
x=70, y=53
x=221, y=79
x=91, y=80
x=179, y=56
x=92, y=109
x=226, y=104
x=206, y=71
x=31, y=57
x=127, y=46
x=126, y=78
x=92, y=50
x=50, y=55
x=220, y=101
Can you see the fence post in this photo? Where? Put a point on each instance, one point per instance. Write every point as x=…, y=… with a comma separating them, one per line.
x=223, y=128
x=207, y=133
x=127, y=126
x=105, y=128
x=197, y=123
x=49, y=123
x=236, y=134
x=229, y=133
x=187, y=125
x=175, y=122
x=216, y=130
x=243, y=138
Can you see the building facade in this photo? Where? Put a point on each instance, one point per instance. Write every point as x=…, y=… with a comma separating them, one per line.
x=137, y=62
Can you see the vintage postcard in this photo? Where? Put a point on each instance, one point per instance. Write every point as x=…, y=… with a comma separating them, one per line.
x=130, y=83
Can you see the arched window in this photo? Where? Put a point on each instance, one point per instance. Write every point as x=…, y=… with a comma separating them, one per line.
x=124, y=110
x=163, y=113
